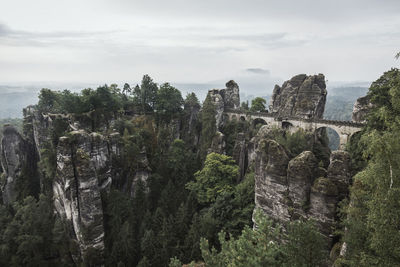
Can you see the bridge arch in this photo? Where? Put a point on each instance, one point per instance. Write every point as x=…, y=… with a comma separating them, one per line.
x=333, y=137
x=257, y=121
x=345, y=129
x=287, y=125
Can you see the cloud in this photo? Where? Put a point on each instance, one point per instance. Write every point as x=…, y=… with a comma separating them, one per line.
x=11, y=36
x=258, y=71
x=4, y=30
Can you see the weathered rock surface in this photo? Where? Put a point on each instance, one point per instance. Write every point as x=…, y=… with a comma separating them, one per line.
x=361, y=108
x=302, y=96
x=271, y=187
x=82, y=163
x=227, y=98
x=326, y=192
x=263, y=133
x=288, y=189
x=300, y=175
x=323, y=204
x=339, y=172
x=231, y=97
x=39, y=127
x=18, y=162
x=218, y=144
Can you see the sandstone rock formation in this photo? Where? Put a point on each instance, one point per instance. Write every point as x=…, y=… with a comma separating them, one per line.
x=361, y=108
x=339, y=171
x=271, y=189
x=323, y=205
x=18, y=162
x=289, y=189
x=218, y=144
x=301, y=172
x=82, y=163
x=39, y=127
x=302, y=96
x=227, y=98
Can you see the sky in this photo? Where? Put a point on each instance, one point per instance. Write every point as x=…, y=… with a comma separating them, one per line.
x=256, y=42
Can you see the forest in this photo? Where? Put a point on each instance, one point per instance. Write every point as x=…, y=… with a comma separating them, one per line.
x=195, y=207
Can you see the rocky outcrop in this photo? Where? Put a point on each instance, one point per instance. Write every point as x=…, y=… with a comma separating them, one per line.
x=83, y=164
x=339, y=172
x=231, y=95
x=253, y=145
x=217, y=144
x=271, y=187
x=41, y=128
x=323, y=205
x=288, y=189
x=302, y=96
x=222, y=99
x=361, y=108
x=301, y=173
x=18, y=161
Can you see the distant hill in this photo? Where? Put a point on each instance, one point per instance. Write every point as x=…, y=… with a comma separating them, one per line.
x=12, y=103
x=14, y=98
x=340, y=101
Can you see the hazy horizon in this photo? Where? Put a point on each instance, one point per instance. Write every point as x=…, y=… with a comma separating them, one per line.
x=187, y=42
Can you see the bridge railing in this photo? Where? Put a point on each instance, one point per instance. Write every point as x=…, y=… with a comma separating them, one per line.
x=287, y=118
x=247, y=113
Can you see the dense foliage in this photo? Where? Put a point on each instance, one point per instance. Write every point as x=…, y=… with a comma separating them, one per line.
x=265, y=246
x=165, y=216
x=196, y=205
x=372, y=216
x=258, y=104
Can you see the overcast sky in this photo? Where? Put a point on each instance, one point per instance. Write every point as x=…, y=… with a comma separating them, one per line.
x=203, y=41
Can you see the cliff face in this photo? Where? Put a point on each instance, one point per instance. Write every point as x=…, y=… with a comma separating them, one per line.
x=308, y=185
x=291, y=189
x=302, y=96
x=271, y=185
x=18, y=161
x=83, y=167
x=88, y=164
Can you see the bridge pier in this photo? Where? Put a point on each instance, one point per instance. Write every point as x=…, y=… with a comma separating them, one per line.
x=343, y=139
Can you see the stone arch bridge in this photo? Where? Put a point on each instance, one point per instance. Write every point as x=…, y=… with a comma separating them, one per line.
x=345, y=129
